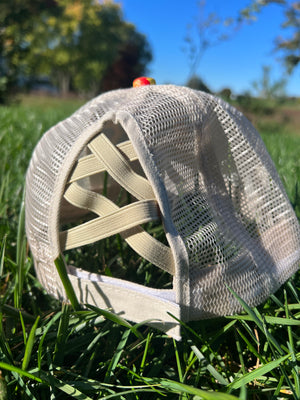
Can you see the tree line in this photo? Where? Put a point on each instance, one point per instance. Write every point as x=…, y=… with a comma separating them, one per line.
x=81, y=45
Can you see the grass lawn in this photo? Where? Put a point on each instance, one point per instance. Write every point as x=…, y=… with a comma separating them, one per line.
x=49, y=351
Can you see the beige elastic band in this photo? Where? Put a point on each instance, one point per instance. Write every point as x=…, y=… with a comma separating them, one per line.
x=124, y=218
x=91, y=165
x=118, y=167
x=140, y=241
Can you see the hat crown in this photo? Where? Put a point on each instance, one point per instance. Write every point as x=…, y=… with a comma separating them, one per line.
x=226, y=216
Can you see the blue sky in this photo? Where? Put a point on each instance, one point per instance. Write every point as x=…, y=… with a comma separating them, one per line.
x=234, y=63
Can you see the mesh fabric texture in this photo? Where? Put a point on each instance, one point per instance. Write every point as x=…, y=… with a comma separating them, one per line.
x=227, y=218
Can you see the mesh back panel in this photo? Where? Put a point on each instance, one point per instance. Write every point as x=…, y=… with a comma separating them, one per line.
x=214, y=181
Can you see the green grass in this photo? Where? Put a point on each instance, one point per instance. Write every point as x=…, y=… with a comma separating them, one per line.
x=50, y=350
x=284, y=150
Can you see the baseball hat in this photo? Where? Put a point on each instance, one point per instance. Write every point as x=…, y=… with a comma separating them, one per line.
x=164, y=155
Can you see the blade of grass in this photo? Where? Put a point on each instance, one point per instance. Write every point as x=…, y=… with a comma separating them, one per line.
x=185, y=326
x=116, y=319
x=255, y=317
x=293, y=291
x=199, y=354
x=290, y=307
x=295, y=373
x=62, y=334
x=21, y=234
x=13, y=312
x=268, y=319
x=4, y=345
x=3, y=246
x=116, y=357
x=64, y=387
x=219, y=378
x=143, y=362
x=180, y=375
x=223, y=330
x=279, y=386
x=276, y=300
x=83, y=383
x=132, y=391
x=250, y=376
x=23, y=329
x=251, y=347
x=24, y=385
x=91, y=359
x=89, y=349
x=144, y=380
x=17, y=374
x=29, y=345
x=21, y=372
x=290, y=344
x=243, y=392
x=191, y=361
x=250, y=331
x=177, y=387
x=70, y=390
x=88, y=383
x=20, y=256
x=180, y=388
x=62, y=271
x=40, y=348
x=258, y=319
x=289, y=329
x=3, y=195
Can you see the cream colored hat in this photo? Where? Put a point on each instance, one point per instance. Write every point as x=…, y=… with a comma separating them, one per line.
x=187, y=159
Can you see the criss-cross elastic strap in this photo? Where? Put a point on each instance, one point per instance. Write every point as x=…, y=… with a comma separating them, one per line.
x=112, y=219
x=90, y=165
x=118, y=167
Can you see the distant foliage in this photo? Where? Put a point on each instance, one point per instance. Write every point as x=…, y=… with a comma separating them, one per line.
x=209, y=30
x=131, y=61
x=83, y=45
x=288, y=45
x=254, y=105
x=197, y=83
x=16, y=21
x=268, y=88
x=226, y=94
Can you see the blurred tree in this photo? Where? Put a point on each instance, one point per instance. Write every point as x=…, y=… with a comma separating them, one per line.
x=268, y=89
x=133, y=56
x=226, y=94
x=197, y=83
x=16, y=19
x=209, y=30
x=289, y=45
x=84, y=44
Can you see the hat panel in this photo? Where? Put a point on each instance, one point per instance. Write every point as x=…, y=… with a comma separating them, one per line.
x=254, y=233
x=45, y=169
x=170, y=119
